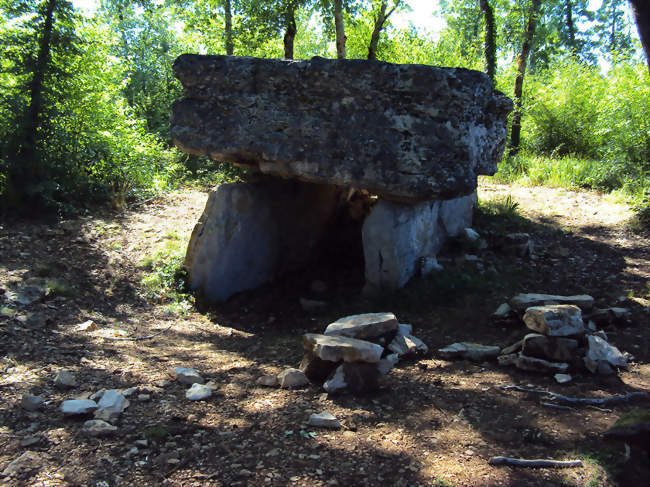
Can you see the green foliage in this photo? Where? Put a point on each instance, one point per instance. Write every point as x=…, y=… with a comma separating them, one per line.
x=165, y=278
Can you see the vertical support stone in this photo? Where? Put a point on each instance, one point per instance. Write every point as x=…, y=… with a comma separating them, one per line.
x=397, y=235
x=250, y=234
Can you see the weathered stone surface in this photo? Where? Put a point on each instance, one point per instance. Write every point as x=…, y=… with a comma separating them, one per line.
x=32, y=403
x=25, y=463
x=540, y=365
x=562, y=378
x=335, y=348
x=188, y=376
x=65, y=378
x=508, y=359
x=387, y=363
x=523, y=301
x=198, y=392
x=598, y=350
x=368, y=325
x=515, y=347
x=250, y=234
x=324, y=420
x=470, y=351
x=78, y=406
x=98, y=427
x=557, y=320
x=353, y=377
x=555, y=349
x=404, y=345
x=268, y=381
x=408, y=132
x=292, y=378
x=397, y=237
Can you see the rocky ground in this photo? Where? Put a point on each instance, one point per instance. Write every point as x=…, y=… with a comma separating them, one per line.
x=433, y=422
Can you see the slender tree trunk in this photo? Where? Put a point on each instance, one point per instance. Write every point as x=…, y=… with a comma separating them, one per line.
x=289, y=30
x=379, y=24
x=340, y=29
x=33, y=119
x=612, y=38
x=570, y=27
x=641, y=9
x=490, y=39
x=228, y=27
x=522, y=59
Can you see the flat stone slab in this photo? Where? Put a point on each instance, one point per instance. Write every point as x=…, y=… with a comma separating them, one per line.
x=78, y=406
x=598, y=350
x=368, y=325
x=523, y=301
x=540, y=365
x=470, y=351
x=555, y=349
x=556, y=320
x=336, y=348
x=324, y=420
x=406, y=132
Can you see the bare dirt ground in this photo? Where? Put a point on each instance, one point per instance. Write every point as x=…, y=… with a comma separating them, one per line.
x=433, y=422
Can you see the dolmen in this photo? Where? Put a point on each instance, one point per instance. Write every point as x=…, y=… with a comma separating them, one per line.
x=316, y=136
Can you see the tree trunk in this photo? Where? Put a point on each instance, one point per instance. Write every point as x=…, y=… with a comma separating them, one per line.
x=490, y=39
x=641, y=9
x=228, y=27
x=374, y=38
x=32, y=122
x=289, y=30
x=340, y=29
x=570, y=27
x=522, y=59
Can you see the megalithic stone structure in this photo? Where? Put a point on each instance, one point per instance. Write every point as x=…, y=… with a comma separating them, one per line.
x=415, y=137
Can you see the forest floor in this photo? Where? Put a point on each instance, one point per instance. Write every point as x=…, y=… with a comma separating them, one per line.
x=433, y=422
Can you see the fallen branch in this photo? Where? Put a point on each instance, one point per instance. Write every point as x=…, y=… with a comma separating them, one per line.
x=578, y=400
x=557, y=406
x=137, y=339
x=537, y=463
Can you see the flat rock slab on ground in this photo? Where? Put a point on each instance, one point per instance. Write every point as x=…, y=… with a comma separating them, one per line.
x=198, y=392
x=78, y=406
x=533, y=364
x=369, y=325
x=290, y=378
x=336, y=349
x=188, y=376
x=324, y=420
x=523, y=301
x=556, y=320
x=469, y=351
x=98, y=427
x=409, y=132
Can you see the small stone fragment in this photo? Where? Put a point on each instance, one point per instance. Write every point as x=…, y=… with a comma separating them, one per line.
x=78, y=406
x=24, y=464
x=65, y=378
x=598, y=350
x=470, y=235
x=558, y=320
x=97, y=427
x=290, y=378
x=469, y=351
x=502, y=311
x=87, y=326
x=363, y=326
x=188, y=376
x=387, y=363
x=324, y=420
x=268, y=381
x=429, y=265
x=562, y=378
x=198, y=392
x=353, y=377
x=404, y=345
x=540, y=365
x=32, y=403
x=404, y=329
x=111, y=404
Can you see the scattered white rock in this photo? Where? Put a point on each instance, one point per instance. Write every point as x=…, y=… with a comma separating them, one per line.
x=78, y=406
x=387, y=363
x=336, y=382
x=98, y=427
x=86, y=326
x=502, y=311
x=144, y=397
x=523, y=301
x=363, y=326
x=471, y=235
x=198, y=392
x=404, y=329
x=65, y=378
x=598, y=350
x=562, y=378
x=475, y=352
x=559, y=320
x=429, y=265
x=292, y=378
x=188, y=376
x=324, y=420
x=268, y=381
x=111, y=404
x=32, y=403
x=404, y=345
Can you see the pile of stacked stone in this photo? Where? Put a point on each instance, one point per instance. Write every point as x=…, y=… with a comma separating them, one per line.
x=355, y=351
x=558, y=339
x=312, y=134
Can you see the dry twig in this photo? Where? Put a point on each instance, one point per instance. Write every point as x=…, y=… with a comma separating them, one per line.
x=579, y=400
x=537, y=463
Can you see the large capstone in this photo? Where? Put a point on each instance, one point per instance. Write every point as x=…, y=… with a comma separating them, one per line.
x=403, y=132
